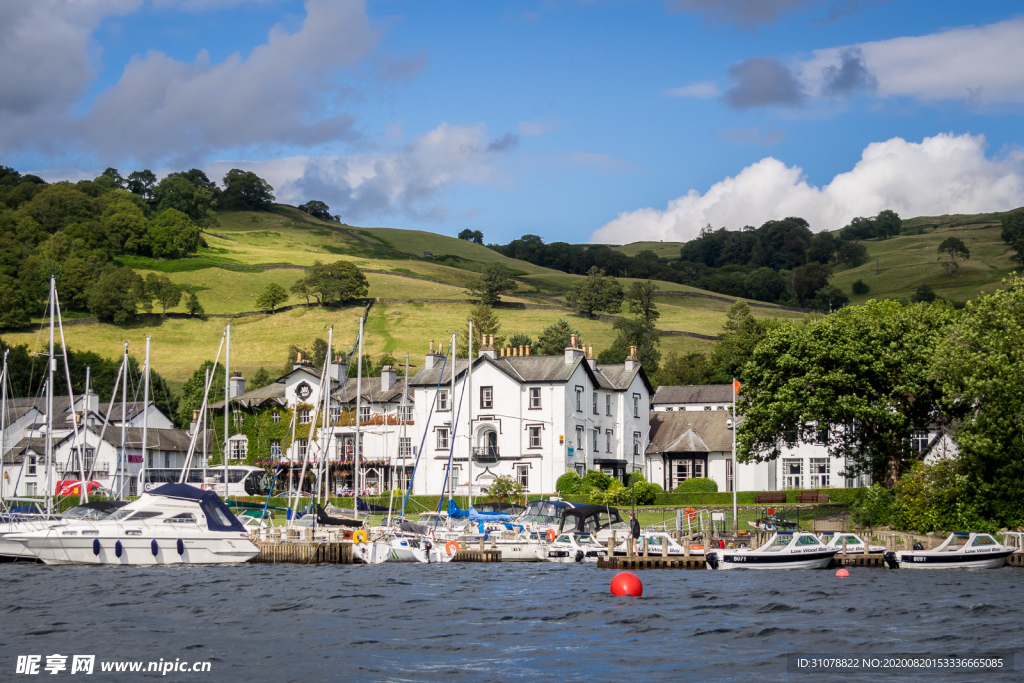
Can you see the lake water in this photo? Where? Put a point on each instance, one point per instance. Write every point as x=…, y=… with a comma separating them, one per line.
x=503, y=622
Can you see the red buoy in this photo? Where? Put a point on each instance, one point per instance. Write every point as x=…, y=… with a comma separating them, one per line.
x=842, y=572
x=627, y=583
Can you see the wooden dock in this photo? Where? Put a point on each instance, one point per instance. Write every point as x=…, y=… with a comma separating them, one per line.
x=858, y=560
x=477, y=556
x=1016, y=560
x=651, y=562
x=303, y=552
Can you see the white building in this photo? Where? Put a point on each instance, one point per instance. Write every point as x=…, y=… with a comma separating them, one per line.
x=529, y=417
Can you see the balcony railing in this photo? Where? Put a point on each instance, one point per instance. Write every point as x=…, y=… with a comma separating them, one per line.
x=486, y=454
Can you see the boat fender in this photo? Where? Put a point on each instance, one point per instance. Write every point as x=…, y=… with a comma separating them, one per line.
x=155, y=548
x=487, y=534
x=359, y=537
x=712, y=560
x=551, y=535
x=890, y=560
x=95, y=546
x=918, y=546
x=579, y=555
x=451, y=547
x=181, y=547
x=118, y=548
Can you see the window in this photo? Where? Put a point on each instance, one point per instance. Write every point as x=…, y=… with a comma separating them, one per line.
x=579, y=399
x=597, y=433
x=31, y=470
x=456, y=476
x=728, y=475
x=534, y=437
x=30, y=488
x=608, y=404
x=581, y=470
x=442, y=399
x=636, y=443
x=275, y=446
x=405, y=413
x=238, y=447
x=919, y=442
x=608, y=441
x=275, y=417
x=300, y=447
x=793, y=473
x=705, y=408
x=579, y=438
x=822, y=435
x=237, y=418
x=304, y=416
x=670, y=409
x=487, y=397
x=523, y=476
x=595, y=403
x=405, y=445
x=335, y=414
x=636, y=405
x=442, y=439
x=721, y=407
x=364, y=413
x=534, y=398
x=819, y=473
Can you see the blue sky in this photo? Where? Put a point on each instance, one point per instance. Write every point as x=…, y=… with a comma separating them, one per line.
x=578, y=121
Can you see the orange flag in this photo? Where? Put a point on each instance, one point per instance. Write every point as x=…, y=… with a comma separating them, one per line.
x=736, y=387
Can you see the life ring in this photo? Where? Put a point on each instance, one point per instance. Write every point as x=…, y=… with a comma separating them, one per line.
x=451, y=547
x=551, y=535
x=359, y=537
x=690, y=514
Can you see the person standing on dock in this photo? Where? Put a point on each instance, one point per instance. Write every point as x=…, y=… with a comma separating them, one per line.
x=634, y=531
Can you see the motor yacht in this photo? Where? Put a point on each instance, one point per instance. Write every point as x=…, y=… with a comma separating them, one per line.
x=784, y=550
x=961, y=550
x=601, y=521
x=172, y=524
x=14, y=551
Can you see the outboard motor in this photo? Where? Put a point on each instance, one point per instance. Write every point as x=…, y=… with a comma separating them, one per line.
x=890, y=560
x=712, y=560
x=427, y=545
x=918, y=546
x=579, y=555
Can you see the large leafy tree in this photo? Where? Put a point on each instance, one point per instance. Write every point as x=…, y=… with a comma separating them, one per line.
x=141, y=183
x=332, y=283
x=317, y=209
x=740, y=335
x=980, y=368
x=166, y=293
x=173, y=235
x=555, y=338
x=125, y=225
x=246, y=191
x=15, y=306
x=495, y=281
x=861, y=372
x=955, y=250
x=1013, y=234
x=888, y=224
x=485, y=322
x=595, y=293
x=193, y=199
x=192, y=391
x=640, y=298
x=272, y=296
x=116, y=295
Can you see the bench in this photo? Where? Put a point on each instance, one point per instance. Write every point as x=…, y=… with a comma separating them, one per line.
x=769, y=497
x=812, y=497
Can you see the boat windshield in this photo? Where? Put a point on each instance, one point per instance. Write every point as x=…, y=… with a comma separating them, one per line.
x=564, y=538
x=82, y=512
x=586, y=539
x=957, y=541
x=134, y=514
x=984, y=540
x=779, y=542
x=541, y=512
x=808, y=540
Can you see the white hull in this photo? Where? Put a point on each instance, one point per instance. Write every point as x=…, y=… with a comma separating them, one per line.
x=966, y=563
x=802, y=564
x=137, y=550
x=11, y=551
x=521, y=551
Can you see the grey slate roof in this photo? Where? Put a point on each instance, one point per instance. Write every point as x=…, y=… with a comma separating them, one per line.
x=16, y=453
x=173, y=440
x=694, y=393
x=371, y=391
x=700, y=431
x=62, y=408
x=256, y=397
x=534, y=370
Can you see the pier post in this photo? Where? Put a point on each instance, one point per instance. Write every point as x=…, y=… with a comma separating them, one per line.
x=664, y=546
x=645, y=546
x=611, y=545
x=686, y=550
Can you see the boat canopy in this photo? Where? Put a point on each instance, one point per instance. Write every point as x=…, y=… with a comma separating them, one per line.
x=588, y=518
x=455, y=512
x=218, y=516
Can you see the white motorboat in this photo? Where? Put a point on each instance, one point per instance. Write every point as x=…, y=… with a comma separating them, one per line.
x=784, y=550
x=600, y=521
x=516, y=544
x=569, y=547
x=14, y=551
x=962, y=550
x=854, y=543
x=655, y=541
x=173, y=524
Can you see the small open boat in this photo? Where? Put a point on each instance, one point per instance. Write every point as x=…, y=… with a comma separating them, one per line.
x=655, y=541
x=784, y=550
x=569, y=547
x=854, y=543
x=962, y=550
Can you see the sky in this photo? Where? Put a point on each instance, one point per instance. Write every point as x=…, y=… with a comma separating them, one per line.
x=608, y=121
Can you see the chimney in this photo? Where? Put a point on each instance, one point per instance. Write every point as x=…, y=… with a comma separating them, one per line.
x=298, y=361
x=632, y=361
x=527, y=349
x=195, y=423
x=236, y=385
x=521, y=350
x=490, y=340
x=431, y=358
x=388, y=377
x=573, y=351
x=487, y=348
x=338, y=370
x=590, y=357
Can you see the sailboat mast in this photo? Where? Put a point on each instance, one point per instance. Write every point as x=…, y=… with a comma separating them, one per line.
x=328, y=425
x=359, y=397
x=451, y=408
x=145, y=416
x=83, y=486
x=124, y=419
x=49, y=404
x=3, y=420
x=205, y=418
x=470, y=423
x=227, y=401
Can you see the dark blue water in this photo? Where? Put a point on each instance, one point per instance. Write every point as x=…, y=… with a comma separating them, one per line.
x=502, y=622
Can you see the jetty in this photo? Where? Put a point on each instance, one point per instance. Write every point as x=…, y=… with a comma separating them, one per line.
x=303, y=552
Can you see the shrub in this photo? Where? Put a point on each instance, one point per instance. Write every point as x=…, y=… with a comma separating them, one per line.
x=873, y=507
x=570, y=483
x=861, y=287
x=596, y=479
x=697, y=485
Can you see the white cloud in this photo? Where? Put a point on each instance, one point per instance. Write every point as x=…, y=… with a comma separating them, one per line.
x=539, y=127
x=701, y=89
x=976, y=64
x=940, y=175
x=410, y=182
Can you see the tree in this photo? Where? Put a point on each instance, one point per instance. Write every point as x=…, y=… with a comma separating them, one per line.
x=192, y=391
x=860, y=287
x=595, y=293
x=805, y=281
x=495, y=281
x=141, y=183
x=177, y=191
x=116, y=295
x=125, y=225
x=858, y=229
x=173, y=235
x=317, y=209
x=272, y=296
x=504, y=488
x=15, y=306
x=472, y=236
x=956, y=250
x=246, y=191
x=830, y=298
x=980, y=368
x=115, y=176
x=519, y=339
x=692, y=368
x=740, y=335
x=260, y=379
x=634, y=332
x=555, y=338
x=765, y=284
x=888, y=224
x=160, y=287
x=924, y=294
x=192, y=305
x=640, y=298
x=1013, y=234
x=822, y=247
x=852, y=254
x=332, y=283
x=485, y=322
x=862, y=373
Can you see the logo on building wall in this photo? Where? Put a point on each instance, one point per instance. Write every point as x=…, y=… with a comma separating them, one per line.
x=303, y=391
